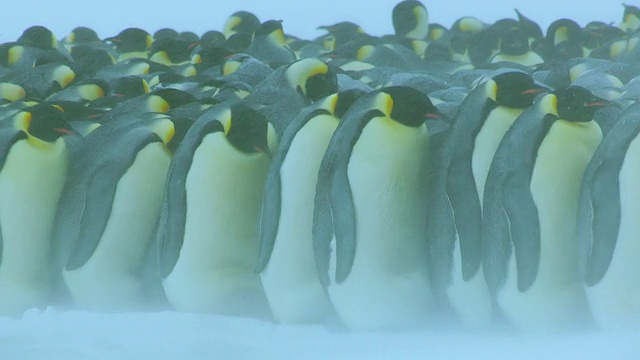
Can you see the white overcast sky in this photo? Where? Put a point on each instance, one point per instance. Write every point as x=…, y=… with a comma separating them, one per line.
x=301, y=18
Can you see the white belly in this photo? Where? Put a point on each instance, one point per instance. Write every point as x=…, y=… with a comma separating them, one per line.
x=215, y=270
x=290, y=279
x=388, y=285
x=615, y=300
x=30, y=185
x=487, y=141
x=556, y=300
x=108, y=280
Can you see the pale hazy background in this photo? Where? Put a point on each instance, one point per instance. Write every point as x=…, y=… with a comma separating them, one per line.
x=301, y=18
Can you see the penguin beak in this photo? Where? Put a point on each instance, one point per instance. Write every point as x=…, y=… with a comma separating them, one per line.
x=534, y=91
x=265, y=151
x=433, y=116
x=598, y=103
x=63, y=132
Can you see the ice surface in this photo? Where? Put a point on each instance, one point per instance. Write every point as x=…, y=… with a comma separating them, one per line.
x=54, y=334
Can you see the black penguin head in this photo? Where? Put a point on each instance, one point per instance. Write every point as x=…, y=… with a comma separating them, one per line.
x=131, y=39
x=271, y=29
x=437, y=32
x=171, y=51
x=408, y=106
x=82, y=34
x=40, y=37
x=514, y=41
x=563, y=30
x=248, y=130
x=165, y=33
x=513, y=89
x=312, y=78
x=462, y=31
x=47, y=122
x=241, y=22
x=531, y=28
x=129, y=86
x=577, y=104
x=172, y=98
x=212, y=36
x=411, y=19
x=344, y=100
x=630, y=18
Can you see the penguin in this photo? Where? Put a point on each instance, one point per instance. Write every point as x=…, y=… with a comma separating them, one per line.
x=11, y=92
x=370, y=199
x=207, y=240
x=286, y=262
x=529, y=228
x=289, y=89
x=607, y=229
x=630, y=19
x=33, y=170
x=268, y=45
x=244, y=68
x=460, y=165
x=411, y=20
x=171, y=52
x=108, y=211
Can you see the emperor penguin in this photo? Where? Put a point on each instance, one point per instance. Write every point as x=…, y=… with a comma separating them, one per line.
x=457, y=185
x=529, y=232
x=33, y=170
x=268, y=45
x=371, y=200
x=286, y=262
x=208, y=229
x=608, y=227
x=290, y=89
x=109, y=209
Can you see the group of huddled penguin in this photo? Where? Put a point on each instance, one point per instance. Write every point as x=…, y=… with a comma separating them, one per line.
x=482, y=175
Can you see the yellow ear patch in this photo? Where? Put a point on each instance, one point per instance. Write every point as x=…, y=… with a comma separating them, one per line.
x=300, y=71
x=22, y=121
x=233, y=21
x=277, y=37
x=549, y=104
x=230, y=67
x=11, y=92
x=561, y=35
x=90, y=92
x=15, y=53
x=145, y=86
x=63, y=75
x=384, y=103
x=161, y=57
x=470, y=24
x=158, y=104
x=617, y=48
x=225, y=120
x=364, y=52
x=71, y=38
x=149, y=41
x=165, y=129
x=196, y=59
x=491, y=90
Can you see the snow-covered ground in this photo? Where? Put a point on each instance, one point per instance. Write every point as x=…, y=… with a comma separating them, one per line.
x=53, y=335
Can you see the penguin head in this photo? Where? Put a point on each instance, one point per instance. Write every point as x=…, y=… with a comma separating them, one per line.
x=630, y=18
x=312, y=78
x=530, y=28
x=129, y=86
x=340, y=34
x=171, y=51
x=563, y=30
x=344, y=99
x=212, y=36
x=240, y=22
x=513, y=89
x=82, y=34
x=164, y=33
x=411, y=19
x=406, y=105
x=40, y=37
x=248, y=130
x=437, y=32
x=162, y=100
x=131, y=39
x=272, y=30
x=577, y=104
x=46, y=122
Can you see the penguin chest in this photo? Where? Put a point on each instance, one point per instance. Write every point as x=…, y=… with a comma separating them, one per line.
x=388, y=285
x=486, y=143
x=615, y=300
x=107, y=278
x=31, y=182
x=224, y=193
x=290, y=279
x=30, y=185
x=292, y=254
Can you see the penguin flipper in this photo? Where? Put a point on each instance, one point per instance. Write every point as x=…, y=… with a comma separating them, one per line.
x=462, y=193
x=172, y=218
x=496, y=239
x=603, y=207
x=95, y=214
x=524, y=227
x=269, y=218
x=344, y=221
